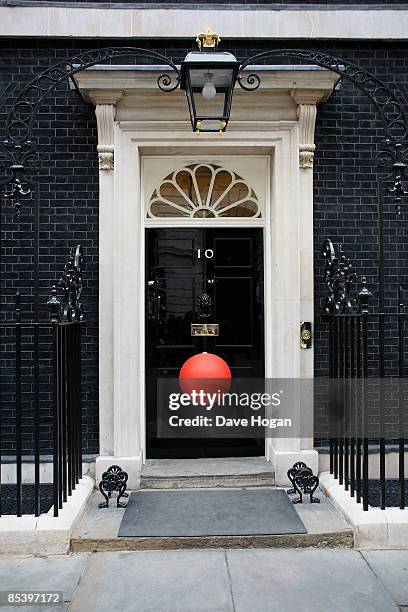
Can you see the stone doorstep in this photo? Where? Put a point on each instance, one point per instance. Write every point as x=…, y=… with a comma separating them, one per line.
x=204, y=473
x=46, y=534
x=97, y=532
x=374, y=529
x=341, y=539
x=210, y=466
x=183, y=482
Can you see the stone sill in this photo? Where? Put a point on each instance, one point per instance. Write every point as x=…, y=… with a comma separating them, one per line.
x=43, y=458
x=45, y=534
x=374, y=529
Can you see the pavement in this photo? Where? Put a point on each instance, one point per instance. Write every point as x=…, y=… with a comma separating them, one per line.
x=240, y=580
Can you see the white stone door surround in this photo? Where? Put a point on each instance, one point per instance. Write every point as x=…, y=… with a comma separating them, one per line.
x=136, y=123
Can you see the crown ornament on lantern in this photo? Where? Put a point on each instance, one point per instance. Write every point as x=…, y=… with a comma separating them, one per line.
x=208, y=39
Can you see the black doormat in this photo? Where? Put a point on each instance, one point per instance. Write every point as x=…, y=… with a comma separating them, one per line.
x=8, y=498
x=210, y=513
x=392, y=494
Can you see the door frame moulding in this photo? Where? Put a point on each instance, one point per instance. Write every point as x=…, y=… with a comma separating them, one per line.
x=282, y=257
x=274, y=141
x=127, y=107
x=178, y=162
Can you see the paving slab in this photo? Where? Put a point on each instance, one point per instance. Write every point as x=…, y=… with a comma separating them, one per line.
x=308, y=580
x=54, y=608
x=391, y=567
x=54, y=573
x=177, y=581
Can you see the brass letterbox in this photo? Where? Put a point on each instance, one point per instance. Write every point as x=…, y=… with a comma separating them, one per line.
x=205, y=329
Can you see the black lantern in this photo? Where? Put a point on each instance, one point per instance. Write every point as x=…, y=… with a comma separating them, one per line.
x=208, y=78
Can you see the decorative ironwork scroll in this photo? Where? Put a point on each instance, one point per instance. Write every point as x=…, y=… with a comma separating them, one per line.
x=346, y=294
x=393, y=156
x=70, y=308
x=17, y=162
x=304, y=482
x=390, y=109
x=19, y=153
x=114, y=479
x=297, y=467
x=19, y=157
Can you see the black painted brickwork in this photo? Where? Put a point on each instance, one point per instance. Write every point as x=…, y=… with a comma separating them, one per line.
x=347, y=136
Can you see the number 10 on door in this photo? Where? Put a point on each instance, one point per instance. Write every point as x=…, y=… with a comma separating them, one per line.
x=208, y=254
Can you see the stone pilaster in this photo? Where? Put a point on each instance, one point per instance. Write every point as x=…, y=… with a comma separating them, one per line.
x=105, y=116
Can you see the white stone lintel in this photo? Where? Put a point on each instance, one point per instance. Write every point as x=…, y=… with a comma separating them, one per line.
x=295, y=22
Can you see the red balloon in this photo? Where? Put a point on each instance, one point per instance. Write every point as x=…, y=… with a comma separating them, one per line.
x=206, y=372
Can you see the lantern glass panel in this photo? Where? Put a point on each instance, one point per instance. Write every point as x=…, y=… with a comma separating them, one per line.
x=208, y=115
x=214, y=107
x=211, y=107
x=221, y=77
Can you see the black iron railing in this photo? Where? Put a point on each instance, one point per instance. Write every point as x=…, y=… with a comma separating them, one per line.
x=41, y=401
x=367, y=395
x=67, y=426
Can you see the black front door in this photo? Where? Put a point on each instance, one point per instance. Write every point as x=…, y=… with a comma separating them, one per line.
x=181, y=266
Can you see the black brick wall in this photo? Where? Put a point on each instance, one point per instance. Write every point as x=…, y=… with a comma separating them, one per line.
x=347, y=137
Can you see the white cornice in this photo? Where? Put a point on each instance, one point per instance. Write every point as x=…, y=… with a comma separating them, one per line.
x=137, y=96
x=114, y=82
x=274, y=23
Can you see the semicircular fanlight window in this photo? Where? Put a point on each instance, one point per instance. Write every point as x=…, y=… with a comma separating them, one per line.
x=203, y=191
